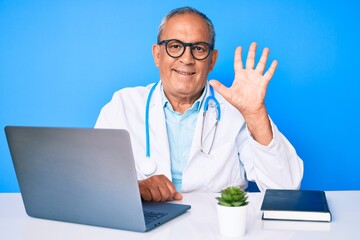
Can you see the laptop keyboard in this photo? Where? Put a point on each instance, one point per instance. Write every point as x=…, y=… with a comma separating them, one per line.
x=151, y=216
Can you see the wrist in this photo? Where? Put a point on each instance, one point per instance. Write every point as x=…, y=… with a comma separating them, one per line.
x=260, y=127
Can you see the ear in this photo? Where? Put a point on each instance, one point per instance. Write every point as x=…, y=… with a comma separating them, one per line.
x=214, y=56
x=156, y=53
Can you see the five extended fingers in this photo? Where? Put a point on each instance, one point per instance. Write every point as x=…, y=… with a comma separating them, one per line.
x=250, y=61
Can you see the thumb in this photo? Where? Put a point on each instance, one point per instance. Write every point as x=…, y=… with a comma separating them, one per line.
x=177, y=196
x=220, y=88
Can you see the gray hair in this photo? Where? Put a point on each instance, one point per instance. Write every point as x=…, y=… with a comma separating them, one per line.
x=184, y=10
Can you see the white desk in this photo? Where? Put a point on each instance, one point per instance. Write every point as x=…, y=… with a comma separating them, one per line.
x=199, y=223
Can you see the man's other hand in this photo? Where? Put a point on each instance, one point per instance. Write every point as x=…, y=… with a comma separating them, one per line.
x=158, y=188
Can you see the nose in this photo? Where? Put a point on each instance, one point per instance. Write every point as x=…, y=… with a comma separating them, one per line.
x=187, y=57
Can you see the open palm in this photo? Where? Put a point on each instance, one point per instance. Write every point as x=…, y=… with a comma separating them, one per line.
x=248, y=89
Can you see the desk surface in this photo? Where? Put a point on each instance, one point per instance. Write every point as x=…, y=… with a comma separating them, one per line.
x=198, y=223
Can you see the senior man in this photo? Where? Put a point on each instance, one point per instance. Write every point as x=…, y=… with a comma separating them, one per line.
x=177, y=148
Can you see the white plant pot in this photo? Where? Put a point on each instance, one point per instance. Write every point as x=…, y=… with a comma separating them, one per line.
x=232, y=220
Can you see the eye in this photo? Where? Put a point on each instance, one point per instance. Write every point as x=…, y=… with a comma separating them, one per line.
x=174, y=46
x=199, y=49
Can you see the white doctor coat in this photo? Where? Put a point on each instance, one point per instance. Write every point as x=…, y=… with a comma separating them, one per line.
x=235, y=157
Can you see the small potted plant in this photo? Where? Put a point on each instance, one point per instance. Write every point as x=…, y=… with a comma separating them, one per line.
x=232, y=211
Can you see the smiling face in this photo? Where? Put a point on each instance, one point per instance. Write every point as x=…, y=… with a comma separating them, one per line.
x=184, y=78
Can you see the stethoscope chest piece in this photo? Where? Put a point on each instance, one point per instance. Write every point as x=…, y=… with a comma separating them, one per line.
x=147, y=167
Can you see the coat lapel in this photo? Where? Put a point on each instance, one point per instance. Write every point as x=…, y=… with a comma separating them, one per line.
x=159, y=144
x=207, y=126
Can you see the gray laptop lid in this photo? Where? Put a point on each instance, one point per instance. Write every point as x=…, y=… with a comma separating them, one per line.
x=80, y=175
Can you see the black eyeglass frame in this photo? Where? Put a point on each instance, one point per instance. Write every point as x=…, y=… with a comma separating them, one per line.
x=209, y=45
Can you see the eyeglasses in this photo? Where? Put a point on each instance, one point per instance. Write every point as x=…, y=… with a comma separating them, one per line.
x=176, y=48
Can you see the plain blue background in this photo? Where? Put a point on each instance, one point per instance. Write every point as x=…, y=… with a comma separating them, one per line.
x=61, y=61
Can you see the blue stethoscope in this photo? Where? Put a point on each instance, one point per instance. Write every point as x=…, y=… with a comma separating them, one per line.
x=148, y=166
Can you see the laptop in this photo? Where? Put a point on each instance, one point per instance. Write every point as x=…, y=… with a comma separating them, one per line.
x=85, y=176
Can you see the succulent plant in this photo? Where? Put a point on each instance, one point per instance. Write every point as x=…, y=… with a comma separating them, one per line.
x=233, y=197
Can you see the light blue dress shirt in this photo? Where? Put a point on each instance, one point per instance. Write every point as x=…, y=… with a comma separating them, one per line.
x=180, y=131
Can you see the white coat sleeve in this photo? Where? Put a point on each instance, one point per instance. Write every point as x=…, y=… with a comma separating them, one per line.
x=108, y=116
x=274, y=166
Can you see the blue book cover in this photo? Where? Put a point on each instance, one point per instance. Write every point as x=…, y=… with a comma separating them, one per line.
x=300, y=205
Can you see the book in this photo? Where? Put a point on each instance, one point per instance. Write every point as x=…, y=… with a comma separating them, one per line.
x=297, y=205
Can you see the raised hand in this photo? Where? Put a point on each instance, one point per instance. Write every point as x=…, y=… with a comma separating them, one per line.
x=248, y=91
